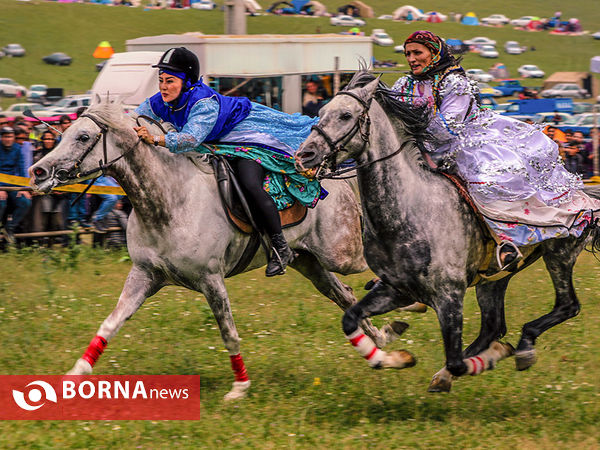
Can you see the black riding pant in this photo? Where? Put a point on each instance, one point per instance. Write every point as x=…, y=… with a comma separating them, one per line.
x=251, y=176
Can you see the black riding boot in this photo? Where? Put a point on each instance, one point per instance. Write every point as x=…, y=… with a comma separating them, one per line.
x=281, y=256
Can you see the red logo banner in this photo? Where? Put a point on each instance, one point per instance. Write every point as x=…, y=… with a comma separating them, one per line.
x=98, y=397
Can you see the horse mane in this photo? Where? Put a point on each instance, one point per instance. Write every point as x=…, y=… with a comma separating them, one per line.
x=413, y=119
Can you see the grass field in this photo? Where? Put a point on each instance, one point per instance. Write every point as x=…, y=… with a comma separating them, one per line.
x=310, y=389
x=44, y=27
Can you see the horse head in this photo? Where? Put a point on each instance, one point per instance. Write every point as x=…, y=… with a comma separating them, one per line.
x=343, y=129
x=86, y=148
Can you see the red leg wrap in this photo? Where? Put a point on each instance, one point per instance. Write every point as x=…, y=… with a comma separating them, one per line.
x=239, y=369
x=94, y=350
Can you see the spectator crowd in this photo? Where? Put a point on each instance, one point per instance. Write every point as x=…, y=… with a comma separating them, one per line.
x=22, y=211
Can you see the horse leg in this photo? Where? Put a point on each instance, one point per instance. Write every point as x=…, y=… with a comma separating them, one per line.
x=490, y=297
x=138, y=287
x=559, y=257
x=213, y=288
x=379, y=300
x=342, y=295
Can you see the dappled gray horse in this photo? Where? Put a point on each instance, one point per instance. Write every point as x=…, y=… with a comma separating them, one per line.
x=422, y=238
x=178, y=233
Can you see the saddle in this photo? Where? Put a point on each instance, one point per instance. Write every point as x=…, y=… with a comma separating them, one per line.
x=239, y=213
x=236, y=207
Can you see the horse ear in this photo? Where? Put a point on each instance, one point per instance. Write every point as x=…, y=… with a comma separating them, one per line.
x=371, y=87
x=97, y=99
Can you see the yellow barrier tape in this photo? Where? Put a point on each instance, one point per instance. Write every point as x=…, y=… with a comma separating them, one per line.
x=23, y=181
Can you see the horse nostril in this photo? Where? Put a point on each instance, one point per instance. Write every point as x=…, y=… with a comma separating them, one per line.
x=39, y=172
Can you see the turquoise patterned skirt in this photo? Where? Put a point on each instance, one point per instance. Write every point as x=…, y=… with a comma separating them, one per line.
x=283, y=182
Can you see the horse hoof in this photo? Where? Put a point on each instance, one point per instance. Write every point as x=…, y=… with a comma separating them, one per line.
x=398, y=359
x=415, y=307
x=525, y=359
x=440, y=384
x=393, y=331
x=239, y=391
x=81, y=367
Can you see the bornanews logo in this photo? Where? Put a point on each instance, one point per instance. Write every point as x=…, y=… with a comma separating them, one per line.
x=128, y=397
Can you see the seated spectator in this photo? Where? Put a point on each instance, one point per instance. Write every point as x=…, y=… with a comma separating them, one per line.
x=107, y=203
x=14, y=203
x=312, y=100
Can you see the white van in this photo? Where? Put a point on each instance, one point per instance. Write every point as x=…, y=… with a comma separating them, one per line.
x=130, y=76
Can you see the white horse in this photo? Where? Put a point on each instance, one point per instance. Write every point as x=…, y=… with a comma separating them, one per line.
x=178, y=233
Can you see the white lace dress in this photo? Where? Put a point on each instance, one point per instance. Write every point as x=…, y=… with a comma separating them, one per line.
x=513, y=171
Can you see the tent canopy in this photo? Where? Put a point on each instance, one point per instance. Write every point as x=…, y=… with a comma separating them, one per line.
x=104, y=50
x=470, y=19
x=363, y=9
x=402, y=13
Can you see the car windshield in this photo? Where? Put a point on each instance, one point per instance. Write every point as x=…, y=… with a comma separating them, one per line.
x=382, y=36
x=38, y=88
x=63, y=102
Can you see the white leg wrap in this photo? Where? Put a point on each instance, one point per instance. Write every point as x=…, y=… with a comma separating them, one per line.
x=365, y=346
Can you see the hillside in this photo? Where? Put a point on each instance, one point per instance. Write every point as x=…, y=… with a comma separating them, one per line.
x=44, y=27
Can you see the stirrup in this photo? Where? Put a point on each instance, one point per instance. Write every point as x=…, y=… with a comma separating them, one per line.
x=499, y=247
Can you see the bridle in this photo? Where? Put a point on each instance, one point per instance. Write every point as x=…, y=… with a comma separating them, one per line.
x=64, y=175
x=362, y=126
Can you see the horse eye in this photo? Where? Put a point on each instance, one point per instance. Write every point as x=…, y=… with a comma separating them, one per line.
x=83, y=138
x=346, y=115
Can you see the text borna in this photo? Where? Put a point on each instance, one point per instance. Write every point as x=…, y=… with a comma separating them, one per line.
x=116, y=389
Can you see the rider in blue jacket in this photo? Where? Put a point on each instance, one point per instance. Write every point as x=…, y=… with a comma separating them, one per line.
x=201, y=115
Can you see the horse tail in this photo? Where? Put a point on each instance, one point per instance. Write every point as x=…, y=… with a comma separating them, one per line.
x=594, y=192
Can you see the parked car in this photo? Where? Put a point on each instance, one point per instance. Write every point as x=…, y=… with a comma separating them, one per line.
x=17, y=109
x=523, y=21
x=10, y=88
x=596, y=35
x=580, y=108
x=71, y=104
x=479, y=75
x=510, y=87
x=380, y=37
x=13, y=50
x=583, y=123
x=485, y=90
x=346, y=21
x=58, y=59
x=37, y=92
x=479, y=41
x=565, y=90
x=488, y=51
x=399, y=49
x=495, y=19
x=548, y=118
x=206, y=5
x=531, y=71
x=513, y=48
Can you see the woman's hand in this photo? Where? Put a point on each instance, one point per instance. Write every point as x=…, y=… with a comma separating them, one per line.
x=144, y=135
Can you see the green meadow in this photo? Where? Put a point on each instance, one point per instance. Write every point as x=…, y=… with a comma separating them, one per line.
x=310, y=388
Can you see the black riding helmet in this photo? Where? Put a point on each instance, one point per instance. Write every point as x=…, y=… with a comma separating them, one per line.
x=180, y=59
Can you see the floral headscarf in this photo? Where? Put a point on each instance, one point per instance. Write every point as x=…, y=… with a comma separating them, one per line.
x=432, y=42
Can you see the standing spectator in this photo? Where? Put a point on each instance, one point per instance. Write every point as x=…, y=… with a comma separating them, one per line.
x=27, y=148
x=556, y=119
x=4, y=121
x=64, y=122
x=572, y=151
x=588, y=153
x=312, y=100
x=49, y=211
x=15, y=203
x=117, y=218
